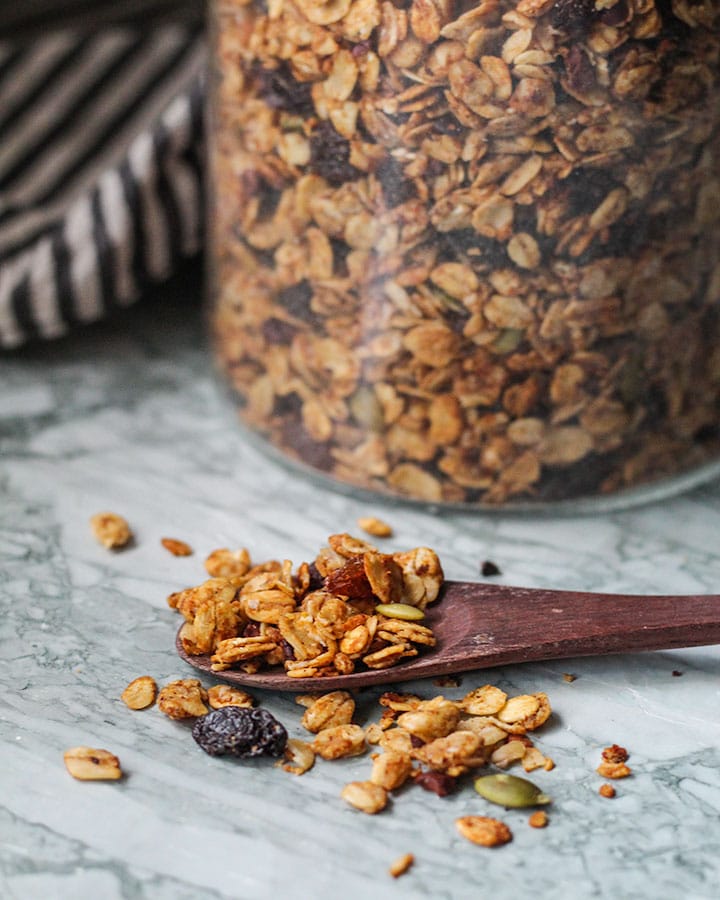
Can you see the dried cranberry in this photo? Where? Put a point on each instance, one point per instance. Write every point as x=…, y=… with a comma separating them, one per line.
x=416, y=741
x=437, y=782
x=252, y=629
x=349, y=580
x=330, y=156
x=316, y=579
x=235, y=731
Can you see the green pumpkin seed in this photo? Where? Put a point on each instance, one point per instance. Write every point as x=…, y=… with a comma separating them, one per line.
x=510, y=791
x=400, y=611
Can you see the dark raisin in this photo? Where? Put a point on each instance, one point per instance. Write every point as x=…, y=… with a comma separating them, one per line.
x=416, y=741
x=489, y=568
x=676, y=673
x=579, y=69
x=587, y=188
x=235, y=731
x=437, y=782
x=573, y=16
x=252, y=629
x=330, y=156
x=296, y=300
x=316, y=579
x=277, y=331
x=287, y=649
x=279, y=90
x=396, y=187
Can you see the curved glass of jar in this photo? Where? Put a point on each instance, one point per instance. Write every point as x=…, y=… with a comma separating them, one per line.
x=469, y=252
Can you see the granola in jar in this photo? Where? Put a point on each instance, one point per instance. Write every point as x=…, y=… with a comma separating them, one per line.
x=468, y=251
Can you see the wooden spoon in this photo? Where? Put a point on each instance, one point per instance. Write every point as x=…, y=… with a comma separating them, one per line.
x=483, y=625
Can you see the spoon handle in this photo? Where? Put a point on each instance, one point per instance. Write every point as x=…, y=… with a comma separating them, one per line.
x=486, y=625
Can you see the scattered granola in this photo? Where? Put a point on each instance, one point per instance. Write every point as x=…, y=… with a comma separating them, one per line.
x=140, y=693
x=569, y=677
x=401, y=865
x=353, y=606
x=111, y=530
x=91, y=764
x=606, y=790
x=470, y=253
x=176, y=547
x=613, y=762
x=489, y=569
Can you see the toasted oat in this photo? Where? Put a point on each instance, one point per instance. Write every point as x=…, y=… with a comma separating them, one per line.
x=340, y=741
x=299, y=757
x=183, y=699
x=91, y=764
x=615, y=754
x=176, y=547
x=613, y=770
x=364, y=795
x=401, y=865
x=220, y=695
x=483, y=831
x=140, y=693
x=111, y=530
x=606, y=790
x=225, y=563
x=567, y=676
x=335, y=708
x=375, y=527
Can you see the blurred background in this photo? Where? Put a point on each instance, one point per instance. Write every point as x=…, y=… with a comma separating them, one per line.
x=101, y=157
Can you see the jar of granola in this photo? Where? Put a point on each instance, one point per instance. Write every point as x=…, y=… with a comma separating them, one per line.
x=468, y=251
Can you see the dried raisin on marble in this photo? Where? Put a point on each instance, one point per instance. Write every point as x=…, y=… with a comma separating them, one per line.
x=235, y=731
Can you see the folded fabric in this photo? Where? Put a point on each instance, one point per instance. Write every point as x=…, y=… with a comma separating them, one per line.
x=100, y=172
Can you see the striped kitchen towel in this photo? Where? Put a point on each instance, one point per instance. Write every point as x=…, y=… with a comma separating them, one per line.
x=100, y=171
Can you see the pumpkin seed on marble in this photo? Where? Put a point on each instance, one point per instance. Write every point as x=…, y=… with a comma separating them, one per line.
x=400, y=611
x=510, y=791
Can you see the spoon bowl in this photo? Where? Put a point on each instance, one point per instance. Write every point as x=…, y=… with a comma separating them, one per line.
x=478, y=626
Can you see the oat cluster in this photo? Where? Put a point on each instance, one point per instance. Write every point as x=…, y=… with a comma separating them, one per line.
x=353, y=606
x=469, y=250
x=430, y=743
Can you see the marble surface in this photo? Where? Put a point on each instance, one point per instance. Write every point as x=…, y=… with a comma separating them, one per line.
x=127, y=416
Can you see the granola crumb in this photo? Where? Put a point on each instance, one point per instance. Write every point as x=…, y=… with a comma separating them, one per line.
x=176, y=547
x=613, y=770
x=401, y=865
x=606, y=790
x=375, y=527
x=567, y=676
x=538, y=819
x=111, y=530
x=489, y=568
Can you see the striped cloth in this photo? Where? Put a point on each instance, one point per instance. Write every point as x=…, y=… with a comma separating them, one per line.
x=100, y=172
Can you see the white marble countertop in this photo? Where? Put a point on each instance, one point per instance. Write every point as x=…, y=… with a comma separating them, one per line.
x=126, y=416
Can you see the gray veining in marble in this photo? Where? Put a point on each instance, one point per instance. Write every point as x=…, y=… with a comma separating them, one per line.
x=127, y=416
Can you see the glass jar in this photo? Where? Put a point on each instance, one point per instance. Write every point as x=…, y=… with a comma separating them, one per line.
x=468, y=251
